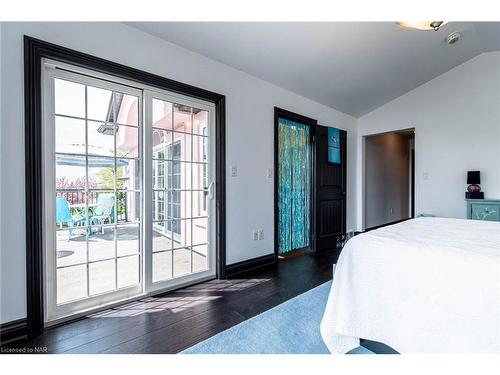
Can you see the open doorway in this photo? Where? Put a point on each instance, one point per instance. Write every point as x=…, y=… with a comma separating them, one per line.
x=389, y=179
x=293, y=216
x=310, y=163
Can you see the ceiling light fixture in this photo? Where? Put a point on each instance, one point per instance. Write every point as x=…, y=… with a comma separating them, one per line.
x=421, y=25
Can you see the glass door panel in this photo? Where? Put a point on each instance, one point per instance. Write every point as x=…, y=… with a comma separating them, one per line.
x=128, y=190
x=93, y=232
x=180, y=172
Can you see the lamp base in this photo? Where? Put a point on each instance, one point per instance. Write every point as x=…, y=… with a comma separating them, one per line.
x=474, y=195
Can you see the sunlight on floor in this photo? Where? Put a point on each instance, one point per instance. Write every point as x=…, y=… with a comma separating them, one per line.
x=177, y=302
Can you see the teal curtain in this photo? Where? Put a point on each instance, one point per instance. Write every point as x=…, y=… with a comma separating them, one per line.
x=294, y=185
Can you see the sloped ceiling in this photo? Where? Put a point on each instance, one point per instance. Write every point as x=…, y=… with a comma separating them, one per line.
x=354, y=67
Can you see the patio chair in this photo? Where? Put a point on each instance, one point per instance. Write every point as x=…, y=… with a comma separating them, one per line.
x=63, y=216
x=104, y=211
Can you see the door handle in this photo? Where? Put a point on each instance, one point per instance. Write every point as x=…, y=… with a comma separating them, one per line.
x=211, y=190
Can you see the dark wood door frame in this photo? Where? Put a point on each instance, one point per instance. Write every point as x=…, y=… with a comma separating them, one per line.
x=283, y=113
x=34, y=51
x=412, y=156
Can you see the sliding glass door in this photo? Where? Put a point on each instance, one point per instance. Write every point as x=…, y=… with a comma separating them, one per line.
x=180, y=167
x=126, y=190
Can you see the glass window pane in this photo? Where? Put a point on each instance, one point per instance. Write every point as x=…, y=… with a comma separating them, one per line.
x=70, y=135
x=162, y=114
x=180, y=204
x=101, y=172
x=182, y=232
x=160, y=140
x=200, y=180
x=127, y=141
x=200, y=231
x=160, y=199
x=101, y=241
x=127, y=239
x=181, y=176
x=172, y=175
x=69, y=98
x=200, y=257
x=182, y=262
x=128, y=206
x=70, y=172
x=100, y=139
x=71, y=228
x=162, y=266
x=182, y=118
x=101, y=277
x=200, y=121
x=182, y=146
x=160, y=170
x=162, y=236
x=100, y=105
x=200, y=150
x=128, y=271
x=173, y=205
x=101, y=205
x=71, y=283
x=72, y=251
x=200, y=203
x=127, y=109
x=128, y=174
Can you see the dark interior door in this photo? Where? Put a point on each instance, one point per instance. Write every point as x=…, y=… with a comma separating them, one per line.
x=330, y=192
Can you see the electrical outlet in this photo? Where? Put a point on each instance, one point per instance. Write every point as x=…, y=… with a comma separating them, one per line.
x=255, y=235
x=261, y=234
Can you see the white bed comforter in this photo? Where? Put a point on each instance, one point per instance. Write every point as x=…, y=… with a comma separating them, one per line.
x=427, y=285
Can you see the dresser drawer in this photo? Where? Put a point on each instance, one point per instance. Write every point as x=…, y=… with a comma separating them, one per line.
x=485, y=211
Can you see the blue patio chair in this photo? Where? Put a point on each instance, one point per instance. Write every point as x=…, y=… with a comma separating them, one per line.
x=104, y=211
x=63, y=216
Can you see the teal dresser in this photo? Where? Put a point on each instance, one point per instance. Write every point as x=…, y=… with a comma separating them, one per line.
x=483, y=209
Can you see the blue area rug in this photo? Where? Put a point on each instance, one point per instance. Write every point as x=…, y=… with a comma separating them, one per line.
x=289, y=328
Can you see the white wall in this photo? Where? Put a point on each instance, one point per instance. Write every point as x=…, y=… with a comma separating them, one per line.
x=250, y=122
x=2, y=282
x=456, y=117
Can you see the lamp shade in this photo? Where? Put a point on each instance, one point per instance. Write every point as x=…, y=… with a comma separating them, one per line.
x=473, y=177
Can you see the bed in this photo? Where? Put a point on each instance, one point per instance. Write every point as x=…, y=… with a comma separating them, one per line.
x=426, y=285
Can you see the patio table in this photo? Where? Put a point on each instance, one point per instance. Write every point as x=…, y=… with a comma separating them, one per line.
x=82, y=205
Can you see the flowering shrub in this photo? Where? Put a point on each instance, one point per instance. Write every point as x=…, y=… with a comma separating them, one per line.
x=73, y=189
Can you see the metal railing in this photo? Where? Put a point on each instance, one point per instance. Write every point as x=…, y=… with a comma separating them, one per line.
x=77, y=196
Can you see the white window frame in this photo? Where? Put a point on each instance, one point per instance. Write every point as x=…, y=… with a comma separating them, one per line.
x=53, y=69
x=52, y=310
x=210, y=273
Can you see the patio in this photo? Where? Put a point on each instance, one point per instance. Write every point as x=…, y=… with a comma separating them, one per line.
x=72, y=257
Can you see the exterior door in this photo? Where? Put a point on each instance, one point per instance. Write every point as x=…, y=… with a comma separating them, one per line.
x=129, y=176
x=92, y=192
x=180, y=175
x=330, y=189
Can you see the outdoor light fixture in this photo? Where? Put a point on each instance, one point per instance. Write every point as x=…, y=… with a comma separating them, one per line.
x=107, y=129
x=421, y=25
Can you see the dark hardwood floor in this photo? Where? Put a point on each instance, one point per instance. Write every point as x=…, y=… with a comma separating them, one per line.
x=174, y=321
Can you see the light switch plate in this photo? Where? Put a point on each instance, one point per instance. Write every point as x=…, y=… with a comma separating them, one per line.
x=269, y=173
x=255, y=235
x=234, y=171
x=261, y=234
